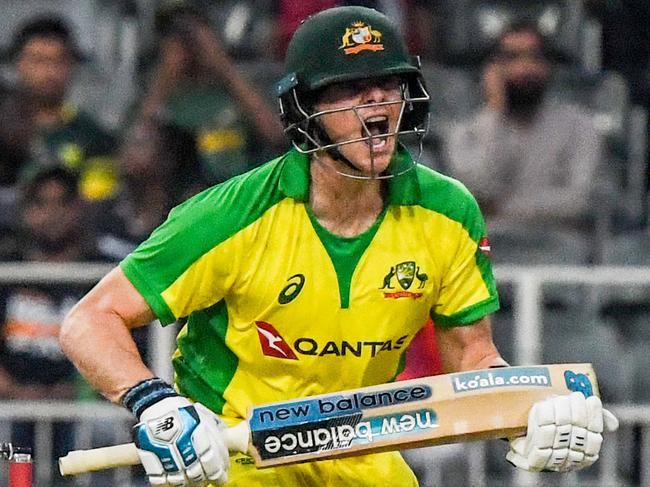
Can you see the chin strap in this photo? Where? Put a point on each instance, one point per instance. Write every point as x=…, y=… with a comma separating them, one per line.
x=322, y=137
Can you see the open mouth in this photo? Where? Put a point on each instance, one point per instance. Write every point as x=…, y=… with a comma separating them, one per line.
x=378, y=128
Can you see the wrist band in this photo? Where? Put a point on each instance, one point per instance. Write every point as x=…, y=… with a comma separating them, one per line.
x=146, y=393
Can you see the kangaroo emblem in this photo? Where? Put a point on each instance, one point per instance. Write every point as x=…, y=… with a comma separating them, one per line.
x=359, y=34
x=388, y=278
x=422, y=277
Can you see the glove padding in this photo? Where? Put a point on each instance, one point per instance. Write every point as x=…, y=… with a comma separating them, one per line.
x=180, y=444
x=564, y=434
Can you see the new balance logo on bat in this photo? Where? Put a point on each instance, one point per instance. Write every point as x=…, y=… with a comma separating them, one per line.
x=274, y=345
x=335, y=434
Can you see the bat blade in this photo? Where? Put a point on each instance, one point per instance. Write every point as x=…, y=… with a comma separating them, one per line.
x=480, y=404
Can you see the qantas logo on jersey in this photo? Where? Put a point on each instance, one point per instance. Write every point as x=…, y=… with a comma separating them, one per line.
x=403, y=275
x=273, y=345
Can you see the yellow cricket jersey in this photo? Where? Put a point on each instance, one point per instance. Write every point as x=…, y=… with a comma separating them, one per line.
x=276, y=307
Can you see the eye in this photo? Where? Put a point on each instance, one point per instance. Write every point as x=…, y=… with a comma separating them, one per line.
x=390, y=84
x=338, y=92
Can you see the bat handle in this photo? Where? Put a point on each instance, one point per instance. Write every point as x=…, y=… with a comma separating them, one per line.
x=125, y=455
x=237, y=437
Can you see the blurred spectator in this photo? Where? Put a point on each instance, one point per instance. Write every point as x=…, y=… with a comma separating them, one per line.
x=197, y=88
x=150, y=183
x=529, y=160
x=39, y=127
x=32, y=366
x=51, y=222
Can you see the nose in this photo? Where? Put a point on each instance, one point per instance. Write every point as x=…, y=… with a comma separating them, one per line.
x=373, y=93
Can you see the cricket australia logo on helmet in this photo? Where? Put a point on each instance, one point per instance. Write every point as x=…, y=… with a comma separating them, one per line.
x=361, y=37
x=401, y=277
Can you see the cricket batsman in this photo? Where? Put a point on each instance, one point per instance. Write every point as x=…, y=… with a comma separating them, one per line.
x=311, y=274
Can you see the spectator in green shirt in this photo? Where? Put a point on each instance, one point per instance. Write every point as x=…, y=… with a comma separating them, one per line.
x=197, y=88
x=39, y=126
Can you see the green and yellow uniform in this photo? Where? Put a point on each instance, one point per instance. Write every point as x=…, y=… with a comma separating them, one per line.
x=277, y=307
x=225, y=142
x=81, y=145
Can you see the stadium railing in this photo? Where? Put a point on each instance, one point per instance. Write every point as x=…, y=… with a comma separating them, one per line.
x=98, y=422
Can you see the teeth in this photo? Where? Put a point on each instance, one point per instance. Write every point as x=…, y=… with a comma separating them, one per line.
x=377, y=118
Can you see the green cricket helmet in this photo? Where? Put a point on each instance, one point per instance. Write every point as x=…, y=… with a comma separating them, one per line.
x=346, y=44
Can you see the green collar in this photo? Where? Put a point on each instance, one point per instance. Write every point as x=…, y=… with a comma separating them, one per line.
x=402, y=190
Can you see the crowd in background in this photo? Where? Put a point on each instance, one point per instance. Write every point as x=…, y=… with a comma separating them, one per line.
x=539, y=107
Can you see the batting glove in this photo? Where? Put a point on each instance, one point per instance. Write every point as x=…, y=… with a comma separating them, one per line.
x=564, y=434
x=180, y=444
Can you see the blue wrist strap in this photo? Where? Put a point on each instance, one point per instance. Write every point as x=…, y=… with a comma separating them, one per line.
x=146, y=393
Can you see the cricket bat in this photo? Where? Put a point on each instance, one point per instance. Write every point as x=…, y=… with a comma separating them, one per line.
x=465, y=406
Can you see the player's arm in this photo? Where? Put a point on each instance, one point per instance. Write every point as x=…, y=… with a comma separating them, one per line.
x=179, y=443
x=564, y=432
x=96, y=335
x=468, y=347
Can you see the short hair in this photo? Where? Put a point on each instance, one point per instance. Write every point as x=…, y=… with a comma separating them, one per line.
x=522, y=25
x=168, y=16
x=45, y=26
x=526, y=24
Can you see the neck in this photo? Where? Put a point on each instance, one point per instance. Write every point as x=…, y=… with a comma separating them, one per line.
x=345, y=206
x=523, y=116
x=46, y=112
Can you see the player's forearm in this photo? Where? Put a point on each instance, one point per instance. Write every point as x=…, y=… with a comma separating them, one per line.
x=256, y=110
x=468, y=347
x=473, y=358
x=156, y=95
x=103, y=350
